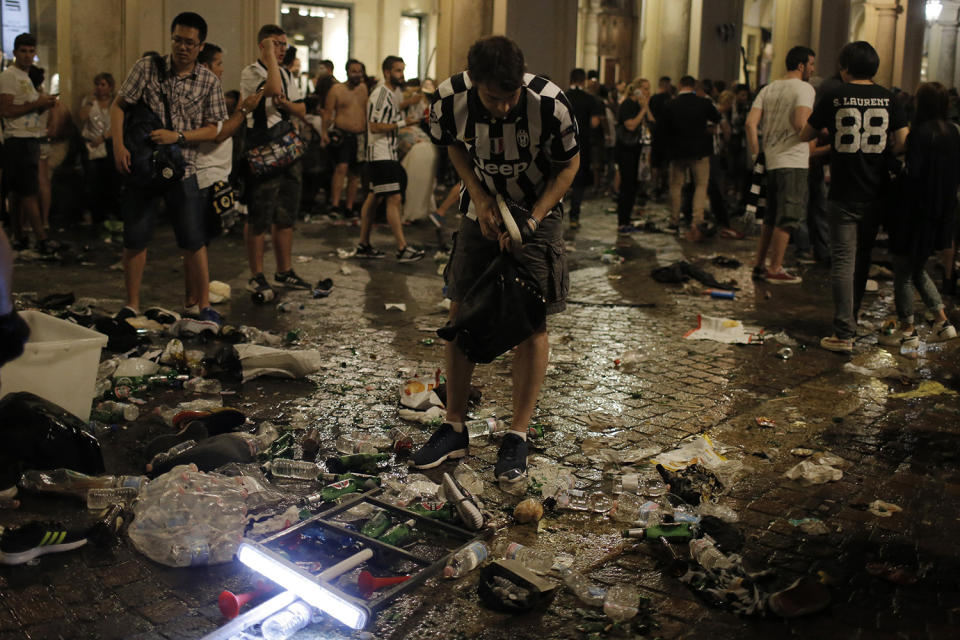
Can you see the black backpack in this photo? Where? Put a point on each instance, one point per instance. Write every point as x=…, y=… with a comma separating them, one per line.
x=152, y=166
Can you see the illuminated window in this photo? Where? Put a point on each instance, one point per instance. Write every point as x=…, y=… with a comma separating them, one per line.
x=320, y=32
x=411, y=28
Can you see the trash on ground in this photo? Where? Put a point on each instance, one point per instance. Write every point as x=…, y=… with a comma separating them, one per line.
x=696, y=450
x=810, y=526
x=681, y=271
x=725, y=330
x=883, y=509
x=394, y=306
x=257, y=361
x=813, y=473
x=925, y=389
x=529, y=510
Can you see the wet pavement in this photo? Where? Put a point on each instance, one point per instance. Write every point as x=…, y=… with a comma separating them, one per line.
x=900, y=450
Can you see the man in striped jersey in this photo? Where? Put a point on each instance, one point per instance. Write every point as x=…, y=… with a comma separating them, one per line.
x=514, y=134
x=387, y=178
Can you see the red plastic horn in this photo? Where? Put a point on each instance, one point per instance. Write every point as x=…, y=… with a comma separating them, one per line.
x=231, y=603
x=368, y=583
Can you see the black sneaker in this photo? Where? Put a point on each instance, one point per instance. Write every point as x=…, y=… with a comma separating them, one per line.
x=367, y=251
x=444, y=444
x=260, y=288
x=409, y=254
x=291, y=280
x=24, y=543
x=126, y=313
x=511, y=460
x=323, y=288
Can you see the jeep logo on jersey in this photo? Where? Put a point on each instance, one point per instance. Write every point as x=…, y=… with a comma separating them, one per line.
x=506, y=169
x=523, y=138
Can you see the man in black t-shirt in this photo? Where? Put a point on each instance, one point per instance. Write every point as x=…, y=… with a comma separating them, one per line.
x=587, y=111
x=684, y=123
x=867, y=127
x=658, y=147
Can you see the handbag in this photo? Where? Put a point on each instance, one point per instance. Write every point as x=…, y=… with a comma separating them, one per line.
x=270, y=151
x=152, y=166
x=502, y=309
x=222, y=202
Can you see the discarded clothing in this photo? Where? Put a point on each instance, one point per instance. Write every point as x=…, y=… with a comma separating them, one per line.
x=680, y=272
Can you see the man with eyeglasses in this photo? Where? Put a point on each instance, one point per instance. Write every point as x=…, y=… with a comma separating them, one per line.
x=273, y=202
x=196, y=106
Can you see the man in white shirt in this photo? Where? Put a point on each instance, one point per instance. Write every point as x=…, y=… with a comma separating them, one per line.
x=21, y=107
x=387, y=177
x=780, y=110
x=273, y=202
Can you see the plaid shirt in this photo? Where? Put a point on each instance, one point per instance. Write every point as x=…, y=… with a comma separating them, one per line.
x=196, y=99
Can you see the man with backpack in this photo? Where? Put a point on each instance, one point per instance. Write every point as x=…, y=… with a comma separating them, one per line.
x=273, y=201
x=186, y=101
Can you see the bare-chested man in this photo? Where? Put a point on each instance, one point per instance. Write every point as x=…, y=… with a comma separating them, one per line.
x=346, y=108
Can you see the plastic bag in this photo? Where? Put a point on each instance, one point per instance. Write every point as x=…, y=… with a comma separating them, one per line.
x=698, y=450
x=40, y=435
x=186, y=518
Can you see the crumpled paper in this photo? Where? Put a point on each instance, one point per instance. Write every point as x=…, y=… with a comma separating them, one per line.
x=725, y=330
x=699, y=450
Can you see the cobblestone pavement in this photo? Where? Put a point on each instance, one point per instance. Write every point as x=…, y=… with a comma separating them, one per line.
x=903, y=451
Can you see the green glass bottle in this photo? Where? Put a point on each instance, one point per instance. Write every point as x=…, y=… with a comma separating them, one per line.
x=377, y=525
x=398, y=534
x=339, y=488
x=672, y=531
x=437, y=510
x=356, y=462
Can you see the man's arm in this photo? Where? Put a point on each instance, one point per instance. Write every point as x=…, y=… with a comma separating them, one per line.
x=751, y=127
x=557, y=186
x=238, y=117
x=273, y=85
x=484, y=204
x=121, y=157
x=206, y=133
x=10, y=110
x=808, y=133
x=297, y=109
x=800, y=117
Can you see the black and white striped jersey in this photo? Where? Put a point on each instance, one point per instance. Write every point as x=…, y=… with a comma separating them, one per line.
x=514, y=156
x=382, y=107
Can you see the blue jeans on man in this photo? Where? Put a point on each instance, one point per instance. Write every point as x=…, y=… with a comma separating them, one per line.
x=853, y=231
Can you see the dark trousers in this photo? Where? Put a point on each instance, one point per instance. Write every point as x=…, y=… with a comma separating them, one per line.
x=818, y=222
x=576, y=198
x=628, y=161
x=716, y=191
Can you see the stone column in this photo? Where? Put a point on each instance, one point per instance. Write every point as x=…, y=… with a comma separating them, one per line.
x=909, y=54
x=674, y=38
x=460, y=24
x=791, y=27
x=587, y=35
x=880, y=30
x=718, y=54
x=941, y=50
x=829, y=31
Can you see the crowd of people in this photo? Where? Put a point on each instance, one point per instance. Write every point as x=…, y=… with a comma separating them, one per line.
x=820, y=168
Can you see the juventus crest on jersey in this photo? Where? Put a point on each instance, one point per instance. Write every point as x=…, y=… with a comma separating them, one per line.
x=513, y=156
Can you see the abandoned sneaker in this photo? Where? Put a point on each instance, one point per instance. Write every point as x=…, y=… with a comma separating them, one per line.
x=260, y=288
x=444, y=444
x=511, y=464
x=161, y=315
x=125, y=313
x=366, y=251
x=942, y=331
x=290, y=280
x=840, y=345
x=22, y=544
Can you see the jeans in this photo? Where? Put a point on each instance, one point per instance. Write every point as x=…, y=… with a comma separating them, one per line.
x=576, y=198
x=184, y=206
x=818, y=224
x=700, y=169
x=628, y=160
x=853, y=230
x=905, y=271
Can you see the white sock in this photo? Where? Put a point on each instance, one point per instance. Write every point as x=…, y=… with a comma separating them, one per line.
x=521, y=434
x=457, y=426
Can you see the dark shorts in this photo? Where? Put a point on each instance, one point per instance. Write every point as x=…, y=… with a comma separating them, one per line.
x=545, y=258
x=387, y=177
x=274, y=201
x=346, y=151
x=185, y=206
x=21, y=158
x=787, y=196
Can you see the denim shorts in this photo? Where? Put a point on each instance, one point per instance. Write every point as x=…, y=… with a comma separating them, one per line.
x=185, y=207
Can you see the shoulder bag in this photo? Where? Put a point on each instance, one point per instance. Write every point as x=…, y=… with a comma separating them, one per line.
x=152, y=166
x=268, y=151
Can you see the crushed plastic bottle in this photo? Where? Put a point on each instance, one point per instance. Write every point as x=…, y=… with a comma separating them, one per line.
x=576, y=500
x=111, y=411
x=631, y=508
x=363, y=442
x=287, y=622
x=537, y=561
x=552, y=480
x=704, y=552
x=622, y=602
x=484, y=427
x=101, y=498
x=580, y=586
x=466, y=560
x=172, y=452
x=647, y=484
x=202, y=385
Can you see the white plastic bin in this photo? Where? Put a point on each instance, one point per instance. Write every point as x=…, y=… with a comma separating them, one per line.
x=59, y=363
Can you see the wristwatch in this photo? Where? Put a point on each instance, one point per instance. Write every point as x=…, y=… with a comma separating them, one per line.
x=180, y=138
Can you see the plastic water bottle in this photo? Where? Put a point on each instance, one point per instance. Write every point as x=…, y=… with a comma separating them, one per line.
x=483, y=427
x=115, y=412
x=705, y=553
x=537, y=561
x=632, y=508
x=296, y=469
x=363, y=443
x=284, y=624
x=466, y=560
x=577, y=500
x=74, y=483
x=642, y=484
x=103, y=498
x=581, y=587
x=172, y=452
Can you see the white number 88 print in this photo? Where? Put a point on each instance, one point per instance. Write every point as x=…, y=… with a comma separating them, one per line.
x=866, y=133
